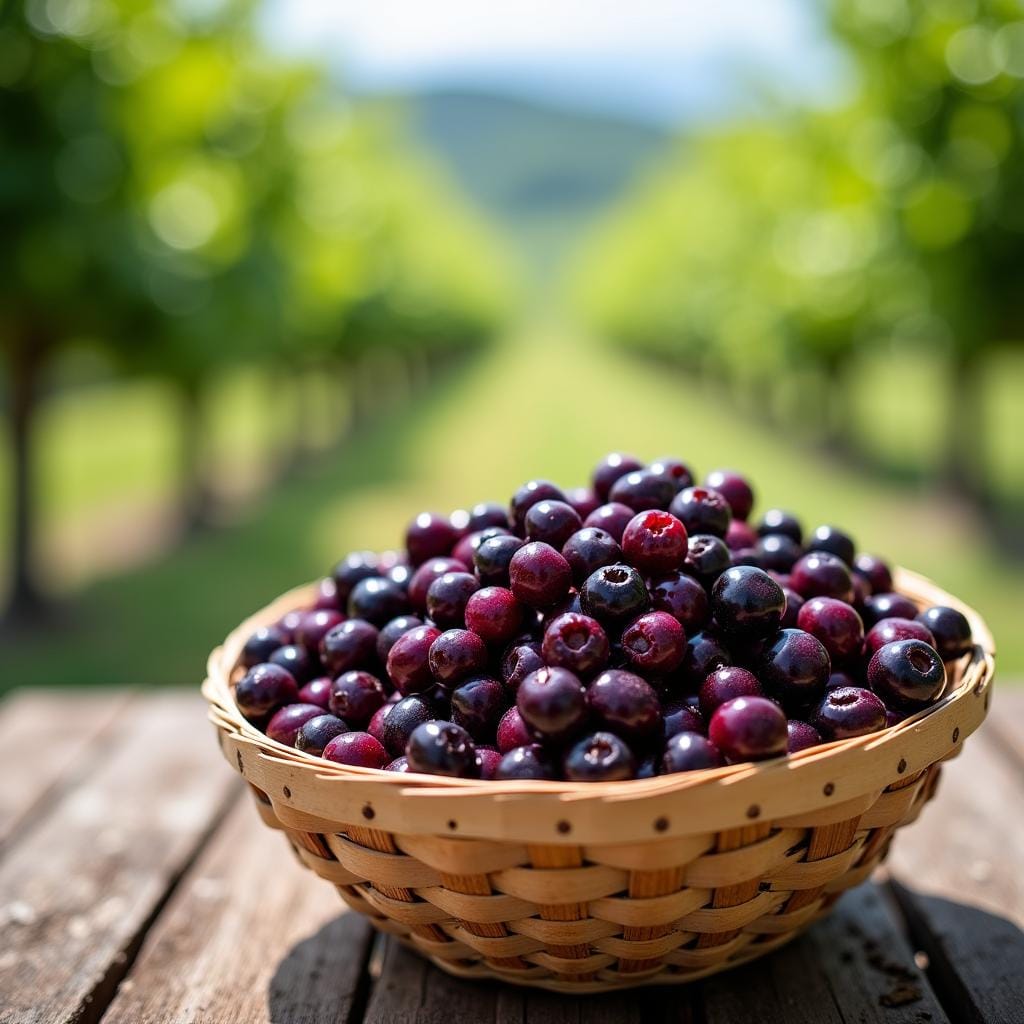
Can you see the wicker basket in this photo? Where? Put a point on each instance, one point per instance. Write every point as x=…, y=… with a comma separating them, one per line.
x=594, y=887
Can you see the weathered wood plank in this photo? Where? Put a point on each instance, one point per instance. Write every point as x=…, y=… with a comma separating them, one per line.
x=48, y=738
x=853, y=966
x=79, y=889
x=249, y=936
x=960, y=882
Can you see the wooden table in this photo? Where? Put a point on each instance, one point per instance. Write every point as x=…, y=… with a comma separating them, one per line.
x=137, y=886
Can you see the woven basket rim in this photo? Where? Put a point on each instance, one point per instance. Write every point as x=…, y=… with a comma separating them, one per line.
x=976, y=674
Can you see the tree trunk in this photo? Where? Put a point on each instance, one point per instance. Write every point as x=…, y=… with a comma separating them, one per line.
x=197, y=503
x=26, y=601
x=837, y=409
x=965, y=449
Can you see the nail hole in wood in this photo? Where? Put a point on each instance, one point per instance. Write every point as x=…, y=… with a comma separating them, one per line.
x=452, y=824
x=241, y=767
x=902, y=766
x=753, y=811
x=661, y=825
x=287, y=793
x=369, y=813
x=956, y=734
x=829, y=788
x=563, y=827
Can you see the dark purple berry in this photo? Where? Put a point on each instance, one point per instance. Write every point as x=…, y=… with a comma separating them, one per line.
x=821, y=574
x=552, y=702
x=707, y=558
x=839, y=678
x=262, y=644
x=683, y=598
x=264, y=688
x=465, y=550
x=400, y=764
x=527, y=496
x=778, y=552
x=487, y=761
x=609, y=469
x=795, y=668
x=422, y=578
x=601, y=757
x=583, y=500
x=626, y=704
x=681, y=716
x=317, y=691
x=777, y=521
x=746, y=602
x=397, y=725
x=442, y=748
x=354, y=567
x=705, y=652
x=654, y=642
x=492, y=557
x=522, y=658
x=485, y=515
x=612, y=518
x=456, y=655
x=296, y=660
x=847, y=712
x=576, y=642
x=888, y=631
x=655, y=542
x=614, y=594
x=678, y=472
x=408, y=663
x=735, y=489
x=740, y=536
x=725, y=684
x=494, y=614
x=358, y=749
x=907, y=674
x=749, y=729
x=834, y=541
x=552, y=522
x=950, y=630
x=525, y=762
x=378, y=601
x=794, y=602
x=286, y=722
x=689, y=752
x=477, y=705
x=429, y=536
x=836, y=624
x=392, y=631
x=702, y=510
x=352, y=645
x=539, y=576
x=512, y=731
x=318, y=732
x=447, y=597
x=800, y=736
x=642, y=489
x=588, y=550
x=887, y=606
x=355, y=697
x=315, y=625
x=875, y=572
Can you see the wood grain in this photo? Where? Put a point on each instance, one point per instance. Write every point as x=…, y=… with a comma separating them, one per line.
x=249, y=936
x=79, y=889
x=853, y=966
x=960, y=879
x=47, y=738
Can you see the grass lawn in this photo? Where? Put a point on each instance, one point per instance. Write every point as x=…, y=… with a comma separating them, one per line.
x=543, y=403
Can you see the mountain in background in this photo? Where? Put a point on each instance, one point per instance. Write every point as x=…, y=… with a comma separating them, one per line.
x=543, y=172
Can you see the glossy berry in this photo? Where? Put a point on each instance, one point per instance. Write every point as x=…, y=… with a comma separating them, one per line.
x=286, y=722
x=400, y=764
x=289, y=623
x=492, y=557
x=907, y=674
x=408, y=662
x=683, y=598
x=355, y=696
x=478, y=704
x=950, y=629
x=494, y=614
x=317, y=732
x=888, y=631
x=525, y=762
x=378, y=601
x=777, y=521
x=609, y=469
x=429, y=535
x=612, y=518
x=794, y=602
x=778, y=552
x=677, y=471
x=847, y=712
x=800, y=736
x=486, y=514
x=834, y=541
x=512, y=731
x=626, y=704
x=358, y=749
x=740, y=536
x=539, y=576
x=552, y=702
x=601, y=757
x=400, y=722
x=317, y=691
x=836, y=624
x=392, y=631
x=655, y=542
x=887, y=606
x=576, y=642
x=527, y=496
x=875, y=572
x=707, y=557
x=746, y=602
x=749, y=729
x=705, y=652
x=442, y=748
x=583, y=500
x=654, y=642
x=794, y=668
x=552, y=522
x=821, y=574
x=702, y=510
x=689, y=752
x=455, y=655
x=465, y=550
x=839, y=678
x=356, y=566
x=376, y=724
x=314, y=625
x=447, y=597
x=521, y=658
x=642, y=489
x=262, y=644
x=725, y=684
x=589, y=549
x=487, y=761
x=295, y=659
x=352, y=645
x=425, y=575
x=681, y=716
x=735, y=489
x=614, y=594
x=326, y=598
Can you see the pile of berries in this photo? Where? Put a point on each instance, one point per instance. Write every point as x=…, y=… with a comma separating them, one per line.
x=637, y=627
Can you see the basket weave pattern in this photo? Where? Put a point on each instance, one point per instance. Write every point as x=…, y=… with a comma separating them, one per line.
x=601, y=886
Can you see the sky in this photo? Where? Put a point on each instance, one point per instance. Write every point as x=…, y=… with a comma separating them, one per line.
x=662, y=60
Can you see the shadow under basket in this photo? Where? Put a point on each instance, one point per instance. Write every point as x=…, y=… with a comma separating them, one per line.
x=594, y=887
